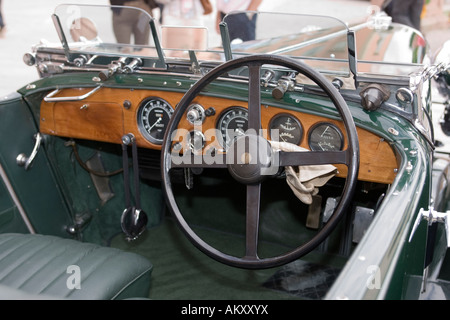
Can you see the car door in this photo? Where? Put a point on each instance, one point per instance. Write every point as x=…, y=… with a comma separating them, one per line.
x=30, y=198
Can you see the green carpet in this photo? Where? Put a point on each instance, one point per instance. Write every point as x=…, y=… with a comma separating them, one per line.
x=183, y=272
x=215, y=203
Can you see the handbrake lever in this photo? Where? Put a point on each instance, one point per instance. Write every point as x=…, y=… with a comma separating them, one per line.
x=134, y=219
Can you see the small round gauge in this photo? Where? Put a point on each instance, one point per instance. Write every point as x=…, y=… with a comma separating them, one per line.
x=325, y=136
x=232, y=124
x=286, y=128
x=153, y=116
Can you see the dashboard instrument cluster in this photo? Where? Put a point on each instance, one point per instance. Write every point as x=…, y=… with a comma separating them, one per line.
x=154, y=114
x=209, y=125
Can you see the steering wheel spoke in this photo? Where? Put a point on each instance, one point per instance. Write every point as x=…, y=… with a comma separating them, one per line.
x=254, y=97
x=304, y=158
x=252, y=221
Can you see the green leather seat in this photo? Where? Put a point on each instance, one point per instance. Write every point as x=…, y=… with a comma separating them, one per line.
x=50, y=267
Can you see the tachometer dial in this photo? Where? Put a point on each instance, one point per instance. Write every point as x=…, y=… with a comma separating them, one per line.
x=232, y=124
x=325, y=137
x=153, y=116
x=286, y=128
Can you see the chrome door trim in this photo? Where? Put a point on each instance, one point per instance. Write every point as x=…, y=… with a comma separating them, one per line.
x=14, y=197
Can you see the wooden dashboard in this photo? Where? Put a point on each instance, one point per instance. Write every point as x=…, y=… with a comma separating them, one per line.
x=110, y=113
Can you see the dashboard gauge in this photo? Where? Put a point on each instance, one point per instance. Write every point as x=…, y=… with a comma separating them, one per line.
x=286, y=128
x=325, y=136
x=153, y=116
x=232, y=124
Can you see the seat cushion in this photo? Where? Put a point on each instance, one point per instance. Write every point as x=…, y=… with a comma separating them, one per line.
x=69, y=269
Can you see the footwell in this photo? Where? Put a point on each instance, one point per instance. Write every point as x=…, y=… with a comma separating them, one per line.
x=303, y=279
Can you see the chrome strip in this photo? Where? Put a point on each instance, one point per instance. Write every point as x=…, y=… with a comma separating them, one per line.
x=50, y=98
x=14, y=197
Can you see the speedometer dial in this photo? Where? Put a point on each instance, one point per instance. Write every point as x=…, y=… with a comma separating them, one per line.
x=153, y=116
x=286, y=128
x=232, y=124
x=325, y=136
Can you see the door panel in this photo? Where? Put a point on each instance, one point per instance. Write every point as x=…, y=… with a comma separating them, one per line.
x=36, y=189
x=10, y=218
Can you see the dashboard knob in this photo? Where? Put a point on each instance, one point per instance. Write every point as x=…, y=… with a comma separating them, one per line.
x=195, y=114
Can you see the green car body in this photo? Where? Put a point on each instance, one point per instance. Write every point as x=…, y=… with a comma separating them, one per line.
x=55, y=196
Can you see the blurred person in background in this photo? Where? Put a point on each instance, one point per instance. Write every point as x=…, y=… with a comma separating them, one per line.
x=128, y=23
x=240, y=26
x=407, y=12
x=184, y=12
x=2, y=23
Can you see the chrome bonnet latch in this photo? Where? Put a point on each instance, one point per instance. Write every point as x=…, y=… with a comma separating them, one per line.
x=433, y=216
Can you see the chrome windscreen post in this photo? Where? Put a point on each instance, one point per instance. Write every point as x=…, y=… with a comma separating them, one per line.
x=352, y=55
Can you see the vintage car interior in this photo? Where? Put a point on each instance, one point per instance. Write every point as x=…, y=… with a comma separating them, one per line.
x=265, y=169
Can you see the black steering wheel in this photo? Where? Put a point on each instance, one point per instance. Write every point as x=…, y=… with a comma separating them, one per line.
x=238, y=160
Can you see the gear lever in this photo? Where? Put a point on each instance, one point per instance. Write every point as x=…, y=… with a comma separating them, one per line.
x=134, y=219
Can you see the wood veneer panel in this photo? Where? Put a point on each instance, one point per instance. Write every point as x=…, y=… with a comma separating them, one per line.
x=110, y=113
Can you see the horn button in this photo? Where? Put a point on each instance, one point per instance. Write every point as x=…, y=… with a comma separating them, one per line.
x=248, y=159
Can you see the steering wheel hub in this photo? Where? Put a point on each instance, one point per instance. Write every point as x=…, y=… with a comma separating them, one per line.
x=249, y=158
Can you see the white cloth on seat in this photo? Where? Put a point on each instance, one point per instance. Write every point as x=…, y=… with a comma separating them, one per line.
x=304, y=180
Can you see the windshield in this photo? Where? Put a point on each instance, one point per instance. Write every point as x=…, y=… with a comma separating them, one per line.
x=319, y=41
x=322, y=42
x=94, y=29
